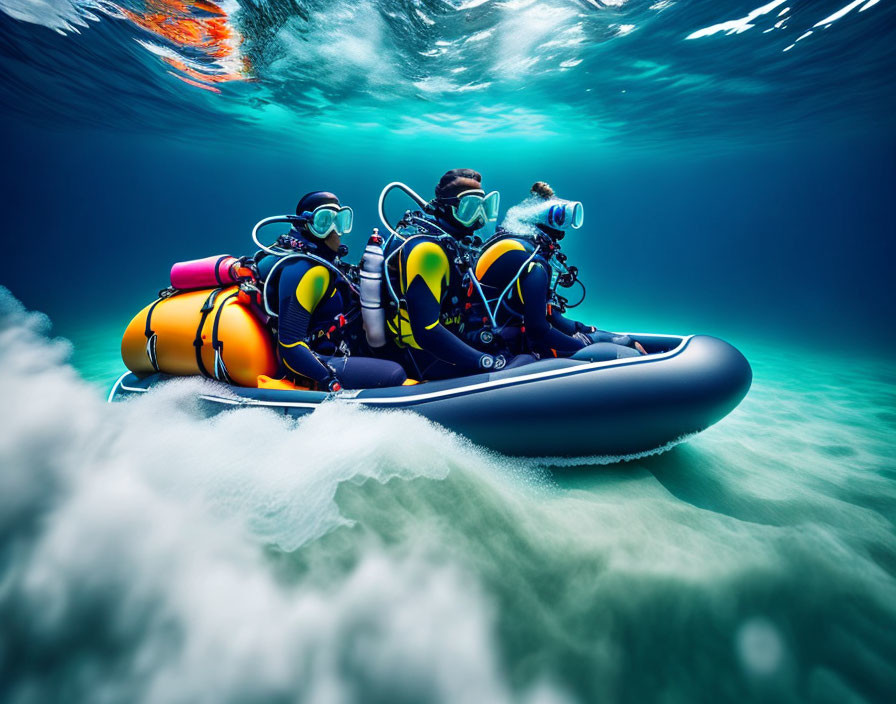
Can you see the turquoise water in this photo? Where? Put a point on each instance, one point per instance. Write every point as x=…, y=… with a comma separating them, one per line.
x=737, y=174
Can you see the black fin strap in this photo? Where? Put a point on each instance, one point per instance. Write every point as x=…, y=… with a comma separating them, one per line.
x=151, y=351
x=217, y=345
x=206, y=309
x=151, y=336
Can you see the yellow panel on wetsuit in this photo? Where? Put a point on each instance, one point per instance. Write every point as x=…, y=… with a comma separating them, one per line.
x=429, y=261
x=491, y=255
x=519, y=288
x=400, y=327
x=312, y=287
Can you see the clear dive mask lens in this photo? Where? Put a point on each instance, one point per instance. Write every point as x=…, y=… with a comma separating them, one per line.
x=325, y=219
x=566, y=214
x=475, y=205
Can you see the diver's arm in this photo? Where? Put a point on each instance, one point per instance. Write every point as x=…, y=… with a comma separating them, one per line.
x=302, y=287
x=427, y=271
x=532, y=288
x=566, y=325
x=590, y=333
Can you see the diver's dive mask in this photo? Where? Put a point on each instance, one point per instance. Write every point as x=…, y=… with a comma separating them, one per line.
x=328, y=218
x=472, y=206
x=563, y=214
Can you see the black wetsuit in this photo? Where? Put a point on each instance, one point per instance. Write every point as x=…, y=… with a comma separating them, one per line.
x=313, y=304
x=429, y=326
x=540, y=327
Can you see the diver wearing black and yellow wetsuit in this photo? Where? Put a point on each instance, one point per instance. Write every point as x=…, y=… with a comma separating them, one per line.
x=425, y=273
x=314, y=301
x=542, y=329
x=519, y=267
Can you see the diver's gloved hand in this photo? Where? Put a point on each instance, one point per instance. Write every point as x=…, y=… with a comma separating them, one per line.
x=490, y=362
x=622, y=340
x=499, y=362
x=627, y=341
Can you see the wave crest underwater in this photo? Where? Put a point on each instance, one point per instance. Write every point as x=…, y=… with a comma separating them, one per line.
x=152, y=554
x=635, y=71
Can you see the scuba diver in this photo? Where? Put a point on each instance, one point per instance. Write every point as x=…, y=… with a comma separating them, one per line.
x=520, y=269
x=428, y=263
x=315, y=300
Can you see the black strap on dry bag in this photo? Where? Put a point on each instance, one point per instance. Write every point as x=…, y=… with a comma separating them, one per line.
x=220, y=370
x=206, y=309
x=151, y=337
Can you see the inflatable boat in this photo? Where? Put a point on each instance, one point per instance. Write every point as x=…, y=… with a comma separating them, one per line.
x=581, y=407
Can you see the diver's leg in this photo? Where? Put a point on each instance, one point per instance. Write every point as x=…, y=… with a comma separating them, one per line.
x=532, y=288
x=442, y=370
x=521, y=360
x=437, y=369
x=367, y=372
x=624, y=340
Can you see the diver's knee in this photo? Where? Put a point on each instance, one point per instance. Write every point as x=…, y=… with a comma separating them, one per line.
x=519, y=361
x=393, y=374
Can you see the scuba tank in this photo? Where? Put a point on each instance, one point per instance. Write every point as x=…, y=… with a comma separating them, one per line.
x=209, y=272
x=372, y=313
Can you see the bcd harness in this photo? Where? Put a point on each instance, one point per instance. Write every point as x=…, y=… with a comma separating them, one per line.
x=460, y=254
x=464, y=252
x=561, y=274
x=294, y=249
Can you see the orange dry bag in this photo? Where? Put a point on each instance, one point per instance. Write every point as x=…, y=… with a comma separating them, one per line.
x=208, y=332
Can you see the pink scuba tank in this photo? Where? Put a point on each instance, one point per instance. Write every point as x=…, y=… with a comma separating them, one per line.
x=209, y=272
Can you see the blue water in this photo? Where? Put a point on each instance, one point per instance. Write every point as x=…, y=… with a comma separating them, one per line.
x=738, y=175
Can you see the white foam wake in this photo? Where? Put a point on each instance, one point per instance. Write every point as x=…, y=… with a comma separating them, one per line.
x=132, y=550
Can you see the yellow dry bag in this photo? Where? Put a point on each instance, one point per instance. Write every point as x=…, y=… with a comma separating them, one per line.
x=207, y=332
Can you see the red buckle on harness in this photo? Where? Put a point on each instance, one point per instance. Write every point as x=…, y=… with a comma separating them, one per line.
x=341, y=320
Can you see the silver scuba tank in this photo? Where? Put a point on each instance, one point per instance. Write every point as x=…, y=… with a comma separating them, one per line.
x=373, y=315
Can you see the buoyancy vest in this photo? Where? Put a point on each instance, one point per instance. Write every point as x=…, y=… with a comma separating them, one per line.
x=336, y=323
x=454, y=311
